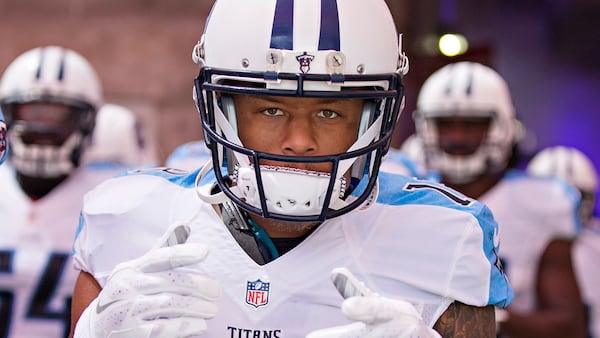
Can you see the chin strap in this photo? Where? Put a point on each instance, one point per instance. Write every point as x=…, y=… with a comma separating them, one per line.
x=204, y=192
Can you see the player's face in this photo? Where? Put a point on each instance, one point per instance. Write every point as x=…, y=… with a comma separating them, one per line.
x=461, y=136
x=298, y=126
x=50, y=123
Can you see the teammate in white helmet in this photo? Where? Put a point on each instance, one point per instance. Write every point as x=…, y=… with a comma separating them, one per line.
x=466, y=119
x=49, y=96
x=290, y=230
x=572, y=165
x=119, y=140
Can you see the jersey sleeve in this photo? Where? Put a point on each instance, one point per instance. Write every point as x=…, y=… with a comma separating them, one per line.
x=123, y=218
x=447, y=244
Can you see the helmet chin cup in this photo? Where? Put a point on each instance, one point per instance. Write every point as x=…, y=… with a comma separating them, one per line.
x=306, y=196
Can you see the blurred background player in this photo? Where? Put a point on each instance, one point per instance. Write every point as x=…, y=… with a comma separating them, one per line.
x=50, y=96
x=572, y=165
x=119, y=139
x=3, y=138
x=466, y=120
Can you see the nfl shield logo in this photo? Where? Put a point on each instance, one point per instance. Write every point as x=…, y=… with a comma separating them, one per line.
x=257, y=293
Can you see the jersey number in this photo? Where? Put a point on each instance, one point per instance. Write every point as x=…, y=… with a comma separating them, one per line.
x=452, y=196
x=40, y=300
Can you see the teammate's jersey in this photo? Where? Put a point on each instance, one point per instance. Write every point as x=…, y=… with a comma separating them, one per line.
x=397, y=162
x=36, y=238
x=420, y=242
x=586, y=255
x=189, y=156
x=530, y=211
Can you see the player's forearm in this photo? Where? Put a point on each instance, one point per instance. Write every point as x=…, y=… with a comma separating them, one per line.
x=465, y=321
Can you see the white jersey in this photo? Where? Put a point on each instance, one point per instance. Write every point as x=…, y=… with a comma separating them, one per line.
x=586, y=255
x=420, y=242
x=397, y=162
x=36, y=238
x=189, y=156
x=530, y=211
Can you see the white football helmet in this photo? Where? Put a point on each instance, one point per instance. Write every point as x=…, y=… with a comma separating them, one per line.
x=119, y=138
x=49, y=75
x=467, y=89
x=573, y=166
x=3, y=138
x=302, y=48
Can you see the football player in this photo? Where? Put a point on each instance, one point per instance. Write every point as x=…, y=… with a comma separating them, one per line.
x=466, y=119
x=49, y=96
x=572, y=165
x=290, y=230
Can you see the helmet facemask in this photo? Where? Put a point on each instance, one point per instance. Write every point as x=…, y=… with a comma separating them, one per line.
x=285, y=192
x=491, y=156
x=48, y=150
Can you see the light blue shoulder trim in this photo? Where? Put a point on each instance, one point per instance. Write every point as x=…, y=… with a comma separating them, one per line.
x=570, y=191
x=192, y=149
x=180, y=177
x=402, y=190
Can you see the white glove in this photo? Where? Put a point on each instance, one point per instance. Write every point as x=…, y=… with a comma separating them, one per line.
x=150, y=297
x=374, y=315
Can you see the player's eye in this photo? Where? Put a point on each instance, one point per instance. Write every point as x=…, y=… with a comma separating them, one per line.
x=328, y=114
x=272, y=112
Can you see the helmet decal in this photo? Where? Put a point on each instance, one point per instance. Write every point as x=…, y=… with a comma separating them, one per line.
x=61, y=67
x=283, y=26
x=329, y=38
x=304, y=59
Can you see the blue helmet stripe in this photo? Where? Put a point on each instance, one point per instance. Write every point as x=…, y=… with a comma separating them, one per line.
x=282, y=34
x=61, y=68
x=329, y=38
x=38, y=71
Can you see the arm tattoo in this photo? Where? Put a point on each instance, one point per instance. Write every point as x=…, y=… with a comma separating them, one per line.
x=462, y=321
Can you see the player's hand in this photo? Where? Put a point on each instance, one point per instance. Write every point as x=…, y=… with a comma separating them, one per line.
x=373, y=315
x=152, y=296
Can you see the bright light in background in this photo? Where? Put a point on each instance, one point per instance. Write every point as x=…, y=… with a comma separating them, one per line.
x=453, y=44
